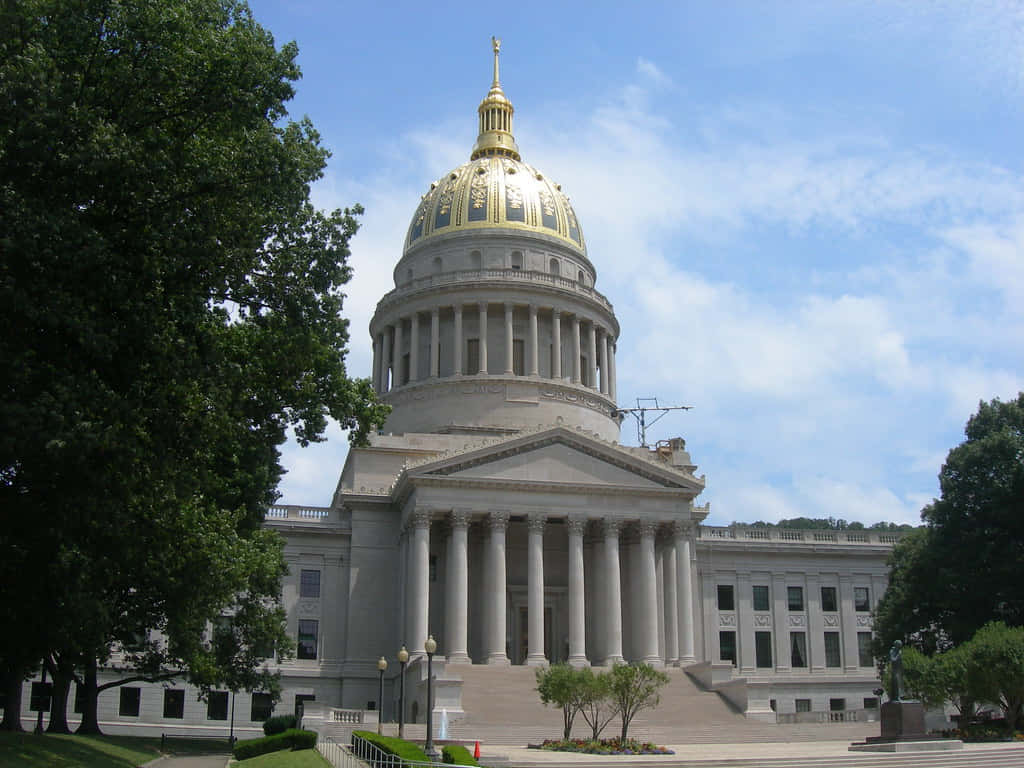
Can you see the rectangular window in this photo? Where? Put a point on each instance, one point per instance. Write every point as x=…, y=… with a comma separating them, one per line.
x=761, y=598
x=832, y=657
x=726, y=601
x=129, y=705
x=307, y=638
x=472, y=357
x=763, y=649
x=174, y=703
x=836, y=705
x=518, y=357
x=262, y=707
x=803, y=705
x=309, y=583
x=40, y=698
x=861, y=599
x=828, y=600
x=798, y=650
x=864, y=656
x=796, y=598
x=870, y=703
x=217, y=706
x=300, y=704
x=727, y=646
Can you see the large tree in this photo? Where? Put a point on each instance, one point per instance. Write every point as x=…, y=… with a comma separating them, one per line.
x=171, y=302
x=964, y=569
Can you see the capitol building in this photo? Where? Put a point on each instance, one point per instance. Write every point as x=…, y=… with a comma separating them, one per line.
x=497, y=511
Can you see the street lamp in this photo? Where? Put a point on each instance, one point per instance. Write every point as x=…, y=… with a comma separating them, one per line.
x=382, y=665
x=431, y=648
x=403, y=659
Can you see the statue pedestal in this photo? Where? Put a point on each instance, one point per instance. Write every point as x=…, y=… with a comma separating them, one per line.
x=903, y=731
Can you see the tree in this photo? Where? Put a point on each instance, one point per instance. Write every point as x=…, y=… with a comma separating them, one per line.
x=559, y=686
x=171, y=304
x=597, y=706
x=964, y=569
x=634, y=687
x=995, y=669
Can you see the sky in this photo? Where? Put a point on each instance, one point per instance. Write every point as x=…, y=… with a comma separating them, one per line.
x=808, y=216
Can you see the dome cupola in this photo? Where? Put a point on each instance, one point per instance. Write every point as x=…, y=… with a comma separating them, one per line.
x=495, y=119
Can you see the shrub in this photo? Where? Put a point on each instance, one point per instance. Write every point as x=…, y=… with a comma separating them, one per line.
x=405, y=750
x=456, y=754
x=290, y=739
x=278, y=724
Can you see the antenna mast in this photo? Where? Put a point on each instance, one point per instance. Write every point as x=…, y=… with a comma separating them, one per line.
x=640, y=414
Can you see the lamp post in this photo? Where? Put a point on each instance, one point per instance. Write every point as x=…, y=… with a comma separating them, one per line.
x=382, y=665
x=403, y=659
x=431, y=648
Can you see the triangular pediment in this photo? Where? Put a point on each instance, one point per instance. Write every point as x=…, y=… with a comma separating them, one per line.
x=559, y=456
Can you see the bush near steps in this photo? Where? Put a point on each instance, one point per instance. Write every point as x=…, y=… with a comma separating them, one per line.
x=290, y=739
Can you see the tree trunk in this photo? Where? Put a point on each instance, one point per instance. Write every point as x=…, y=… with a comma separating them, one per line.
x=12, y=683
x=59, y=701
x=90, y=721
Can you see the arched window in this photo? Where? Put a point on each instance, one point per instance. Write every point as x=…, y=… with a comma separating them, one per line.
x=553, y=267
x=517, y=259
x=438, y=265
x=475, y=260
x=580, y=278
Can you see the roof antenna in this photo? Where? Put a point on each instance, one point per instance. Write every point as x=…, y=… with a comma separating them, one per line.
x=640, y=414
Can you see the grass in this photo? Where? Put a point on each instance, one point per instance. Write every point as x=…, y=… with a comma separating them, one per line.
x=303, y=758
x=26, y=750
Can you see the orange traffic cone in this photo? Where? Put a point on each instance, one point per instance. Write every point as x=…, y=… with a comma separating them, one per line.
x=476, y=751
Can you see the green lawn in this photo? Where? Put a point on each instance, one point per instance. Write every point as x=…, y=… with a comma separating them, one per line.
x=26, y=750
x=304, y=758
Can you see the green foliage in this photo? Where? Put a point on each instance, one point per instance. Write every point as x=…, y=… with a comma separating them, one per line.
x=290, y=739
x=456, y=754
x=560, y=686
x=278, y=724
x=995, y=669
x=171, y=305
x=405, y=750
x=828, y=524
x=964, y=568
x=596, y=704
x=634, y=687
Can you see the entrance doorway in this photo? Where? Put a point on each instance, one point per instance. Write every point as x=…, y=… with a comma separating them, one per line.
x=523, y=633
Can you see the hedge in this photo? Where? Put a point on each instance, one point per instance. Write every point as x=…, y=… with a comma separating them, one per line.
x=290, y=739
x=456, y=754
x=278, y=724
x=405, y=750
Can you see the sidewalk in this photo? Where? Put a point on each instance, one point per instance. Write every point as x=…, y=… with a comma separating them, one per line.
x=200, y=761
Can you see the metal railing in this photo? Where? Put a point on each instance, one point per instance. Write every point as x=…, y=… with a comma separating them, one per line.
x=370, y=753
x=339, y=755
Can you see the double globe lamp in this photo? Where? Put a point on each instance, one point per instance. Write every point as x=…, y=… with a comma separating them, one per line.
x=430, y=646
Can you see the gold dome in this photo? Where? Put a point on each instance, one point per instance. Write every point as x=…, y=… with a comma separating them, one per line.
x=495, y=189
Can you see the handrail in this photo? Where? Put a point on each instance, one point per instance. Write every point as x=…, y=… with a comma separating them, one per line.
x=338, y=754
x=370, y=753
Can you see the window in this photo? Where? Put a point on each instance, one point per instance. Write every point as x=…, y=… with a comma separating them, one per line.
x=864, y=655
x=774, y=706
x=828, y=600
x=40, y=699
x=300, y=704
x=475, y=260
x=309, y=583
x=553, y=267
x=832, y=657
x=472, y=356
x=871, y=702
x=517, y=259
x=763, y=649
x=798, y=650
x=307, y=638
x=796, y=598
x=438, y=265
x=518, y=357
x=725, y=598
x=580, y=278
x=174, y=703
x=129, y=705
x=836, y=705
x=262, y=707
x=861, y=599
x=761, y=598
x=217, y=706
x=803, y=705
x=727, y=646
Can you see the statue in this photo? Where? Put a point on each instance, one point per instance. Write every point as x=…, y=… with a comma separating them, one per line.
x=896, y=670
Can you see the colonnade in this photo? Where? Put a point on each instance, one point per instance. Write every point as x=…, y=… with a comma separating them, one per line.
x=675, y=562
x=585, y=336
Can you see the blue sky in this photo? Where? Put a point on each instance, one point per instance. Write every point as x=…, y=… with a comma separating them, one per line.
x=808, y=216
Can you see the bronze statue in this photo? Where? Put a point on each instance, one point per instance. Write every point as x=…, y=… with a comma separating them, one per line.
x=896, y=670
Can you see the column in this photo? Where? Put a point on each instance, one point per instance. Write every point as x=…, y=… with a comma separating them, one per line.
x=419, y=581
x=592, y=356
x=576, y=372
x=577, y=594
x=457, y=597
x=780, y=615
x=659, y=572
x=508, y=340
x=648, y=592
x=385, y=360
x=684, y=590
x=534, y=355
x=611, y=371
x=498, y=523
x=414, y=346
x=556, y=345
x=535, y=591
x=744, y=623
x=668, y=564
x=815, y=625
x=376, y=364
x=435, y=338
x=483, y=337
x=605, y=370
x=849, y=621
x=613, y=592
x=457, y=349
x=397, y=377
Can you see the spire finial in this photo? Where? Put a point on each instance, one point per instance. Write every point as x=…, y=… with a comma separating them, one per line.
x=496, y=44
x=495, y=112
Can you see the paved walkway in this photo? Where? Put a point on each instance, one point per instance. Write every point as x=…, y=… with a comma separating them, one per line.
x=201, y=761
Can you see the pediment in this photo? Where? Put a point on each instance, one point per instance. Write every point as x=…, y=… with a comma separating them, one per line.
x=559, y=457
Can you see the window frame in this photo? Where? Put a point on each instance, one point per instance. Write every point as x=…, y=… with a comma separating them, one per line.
x=729, y=592
x=835, y=652
x=174, y=703
x=764, y=591
x=763, y=656
x=128, y=692
x=302, y=644
x=306, y=587
x=258, y=701
x=864, y=647
x=798, y=643
x=730, y=636
x=798, y=605
x=862, y=599
x=213, y=710
x=833, y=600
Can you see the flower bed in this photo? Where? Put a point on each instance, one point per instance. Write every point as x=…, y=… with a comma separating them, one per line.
x=604, y=747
